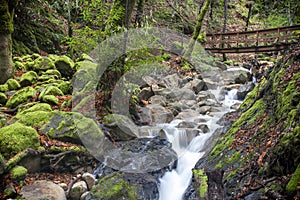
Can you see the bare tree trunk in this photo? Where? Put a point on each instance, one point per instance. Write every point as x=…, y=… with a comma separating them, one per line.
x=197, y=30
x=249, y=5
x=225, y=23
x=139, y=13
x=6, y=24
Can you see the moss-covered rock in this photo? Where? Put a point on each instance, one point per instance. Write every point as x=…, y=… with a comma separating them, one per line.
x=42, y=64
x=18, y=173
x=201, y=181
x=294, y=181
x=17, y=137
x=65, y=66
x=3, y=119
x=28, y=79
x=64, y=86
x=2, y=164
x=12, y=84
x=50, y=99
x=4, y=88
x=32, y=107
x=3, y=98
x=53, y=73
x=20, y=97
x=113, y=187
x=86, y=57
x=34, y=118
x=51, y=90
x=19, y=65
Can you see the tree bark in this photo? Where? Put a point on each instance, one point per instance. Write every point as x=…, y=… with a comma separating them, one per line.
x=197, y=30
x=139, y=13
x=225, y=23
x=6, y=23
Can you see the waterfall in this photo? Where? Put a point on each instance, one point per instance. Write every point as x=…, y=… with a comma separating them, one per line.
x=174, y=183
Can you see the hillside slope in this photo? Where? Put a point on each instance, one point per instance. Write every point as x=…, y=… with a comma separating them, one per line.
x=258, y=156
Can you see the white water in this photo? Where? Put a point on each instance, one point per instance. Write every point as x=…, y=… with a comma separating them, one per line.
x=174, y=183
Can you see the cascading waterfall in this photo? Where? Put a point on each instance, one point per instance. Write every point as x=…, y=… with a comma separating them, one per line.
x=174, y=183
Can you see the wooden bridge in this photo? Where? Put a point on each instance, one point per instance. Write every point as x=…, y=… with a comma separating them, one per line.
x=274, y=39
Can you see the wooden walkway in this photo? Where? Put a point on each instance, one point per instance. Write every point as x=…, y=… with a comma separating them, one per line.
x=274, y=39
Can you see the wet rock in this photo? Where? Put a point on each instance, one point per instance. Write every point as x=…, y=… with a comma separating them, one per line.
x=196, y=85
x=204, y=128
x=244, y=90
x=237, y=76
x=187, y=114
x=43, y=190
x=77, y=190
x=204, y=110
x=186, y=124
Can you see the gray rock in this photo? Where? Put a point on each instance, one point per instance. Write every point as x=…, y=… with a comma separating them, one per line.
x=89, y=179
x=144, y=115
x=186, y=124
x=84, y=195
x=187, y=114
x=204, y=128
x=244, y=90
x=43, y=190
x=204, y=109
x=157, y=99
x=121, y=126
x=196, y=85
x=145, y=94
x=77, y=190
x=236, y=76
x=204, y=95
x=159, y=114
x=171, y=81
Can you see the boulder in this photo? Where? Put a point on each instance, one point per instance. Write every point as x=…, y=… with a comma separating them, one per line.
x=17, y=137
x=196, y=85
x=186, y=124
x=145, y=94
x=244, y=90
x=41, y=64
x=77, y=190
x=237, y=76
x=187, y=114
x=170, y=81
x=12, y=84
x=3, y=98
x=43, y=190
x=28, y=79
x=4, y=88
x=159, y=114
x=204, y=128
x=20, y=97
x=18, y=173
x=65, y=66
x=89, y=179
x=122, y=127
x=157, y=99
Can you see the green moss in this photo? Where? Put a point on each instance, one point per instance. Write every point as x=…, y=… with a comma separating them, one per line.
x=51, y=90
x=3, y=98
x=17, y=137
x=42, y=64
x=53, y=72
x=113, y=187
x=28, y=79
x=33, y=108
x=34, y=118
x=19, y=65
x=64, y=86
x=21, y=96
x=4, y=88
x=201, y=179
x=234, y=158
x=12, y=84
x=65, y=66
x=51, y=99
x=18, y=172
x=294, y=181
x=6, y=20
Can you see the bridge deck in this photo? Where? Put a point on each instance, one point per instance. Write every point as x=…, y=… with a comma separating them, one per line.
x=274, y=39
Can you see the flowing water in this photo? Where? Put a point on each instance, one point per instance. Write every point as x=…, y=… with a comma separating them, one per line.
x=174, y=183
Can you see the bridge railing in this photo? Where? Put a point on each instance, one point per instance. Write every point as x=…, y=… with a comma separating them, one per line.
x=259, y=38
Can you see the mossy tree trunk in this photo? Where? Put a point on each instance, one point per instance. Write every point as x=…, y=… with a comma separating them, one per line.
x=139, y=13
x=197, y=30
x=6, y=24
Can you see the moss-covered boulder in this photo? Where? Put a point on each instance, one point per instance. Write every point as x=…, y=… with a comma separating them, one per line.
x=2, y=164
x=19, y=65
x=42, y=64
x=20, y=97
x=112, y=187
x=4, y=88
x=34, y=118
x=32, y=107
x=12, y=84
x=3, y=98
x=28, y=79
x=52, y=73
x=293, y=184
x=86, y=57
x=17, y=137
x=3, y=119
x=50, y=99
x=65, y=66
x=18, y=173
x=48, y=95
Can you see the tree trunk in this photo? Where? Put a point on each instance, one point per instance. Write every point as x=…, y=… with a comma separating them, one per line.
x=225, y=23
x=139, y=13
x=250, y=4
x=6, y=24
x=197, y=30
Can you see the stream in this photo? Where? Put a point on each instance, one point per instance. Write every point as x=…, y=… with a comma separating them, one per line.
x=174, y=183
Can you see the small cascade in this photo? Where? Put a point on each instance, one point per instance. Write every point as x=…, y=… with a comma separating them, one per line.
x=174, y=183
